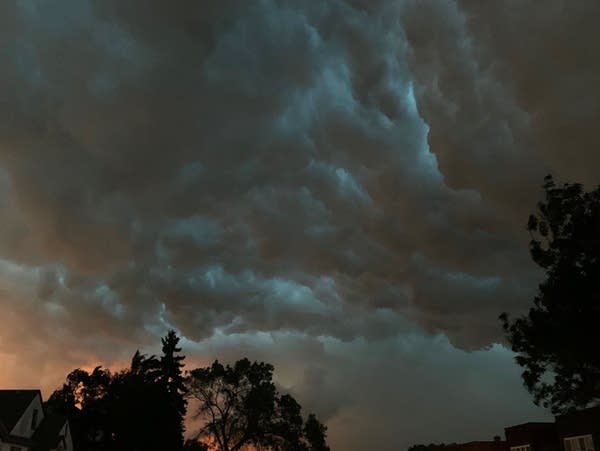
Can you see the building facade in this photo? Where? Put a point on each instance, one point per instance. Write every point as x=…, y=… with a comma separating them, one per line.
x=579, y=431
x=25, y=427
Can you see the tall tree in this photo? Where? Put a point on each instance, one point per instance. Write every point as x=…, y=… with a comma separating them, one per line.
x=139, y=404
x=236, y=402
x=172, y=380
x=557, y=340
x=287, y=432
x=316, y=434
x=115, y=411
x=240, y=406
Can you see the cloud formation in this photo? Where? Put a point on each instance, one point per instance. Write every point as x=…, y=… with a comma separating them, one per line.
x=346, y=181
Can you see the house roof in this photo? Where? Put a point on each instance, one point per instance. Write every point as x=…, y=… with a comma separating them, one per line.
x=12, y=405
x=3, y=431
x=531, y=424
x=47, y=435
x=579, y=422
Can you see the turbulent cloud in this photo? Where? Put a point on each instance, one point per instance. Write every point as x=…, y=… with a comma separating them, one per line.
x=342, y=181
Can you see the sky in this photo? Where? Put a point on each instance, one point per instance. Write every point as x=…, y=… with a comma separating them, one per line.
x=339, y=188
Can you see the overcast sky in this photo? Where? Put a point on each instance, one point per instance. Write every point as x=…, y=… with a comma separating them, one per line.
x=337, y=187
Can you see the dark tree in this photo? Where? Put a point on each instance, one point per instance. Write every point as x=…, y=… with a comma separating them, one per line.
x=138, y=404
x=557, y=341
x=148, y=368
x=83, y=400
x=236, y=402
x=240, y=406
x=287, y=424
x=315, y=433
x=194, y=445
x=137, y=409
x=435, y=447
x=172, y=380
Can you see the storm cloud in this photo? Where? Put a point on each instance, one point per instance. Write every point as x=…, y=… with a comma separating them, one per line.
x=337, y=187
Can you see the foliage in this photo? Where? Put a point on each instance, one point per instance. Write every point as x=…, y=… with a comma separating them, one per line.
x=82, y=399
x=315, y=433
x=194, y=445
x=117, y=411
x=139, y=405
x=142, y=408
x=435, y=447
x=557, y=341
x=171, y=378
x=240, y=406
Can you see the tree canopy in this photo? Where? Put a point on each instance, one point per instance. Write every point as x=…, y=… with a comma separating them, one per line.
x=557, y=341
x=171, y=378
x=115, y=411
x=434, y=447
x=240, y=406
x=142, y=408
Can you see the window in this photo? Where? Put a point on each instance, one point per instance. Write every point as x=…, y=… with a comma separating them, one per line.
x=521, y=448
x=34, y=419
x=579, y=443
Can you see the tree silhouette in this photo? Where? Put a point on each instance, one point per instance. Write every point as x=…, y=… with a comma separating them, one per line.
x=557, y=340
x=137, y=409
x=287, y=425
x=83, y=400
x=171, y=378
x=141, y=416
x=240, y=406
x=141, y=408
x=315, y=433
x=148, y=368
x=194, y=445
x=434, y=447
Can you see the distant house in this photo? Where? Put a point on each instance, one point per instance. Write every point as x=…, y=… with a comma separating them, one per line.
x=532, y=437
x=575, y=431
x=495, y=445
x=24, y=427
x=580, y=430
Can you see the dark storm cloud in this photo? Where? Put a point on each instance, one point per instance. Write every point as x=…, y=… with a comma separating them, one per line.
x=347, y=172
x=254, y=139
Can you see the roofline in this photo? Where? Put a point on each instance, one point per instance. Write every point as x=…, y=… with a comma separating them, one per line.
x=530, y=423
x=38, y=393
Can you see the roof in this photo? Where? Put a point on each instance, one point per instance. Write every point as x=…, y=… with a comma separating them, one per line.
x=538, y=434
x=47, y=435
x=531, y=423
x=579, y=422
x=582, y=413
x=12, y=405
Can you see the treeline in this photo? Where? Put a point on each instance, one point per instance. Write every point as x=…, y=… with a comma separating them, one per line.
x=434, y=447
x=143, y=407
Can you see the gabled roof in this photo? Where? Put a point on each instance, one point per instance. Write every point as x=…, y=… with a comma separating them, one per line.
x=13, y=404
x=47, y=435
